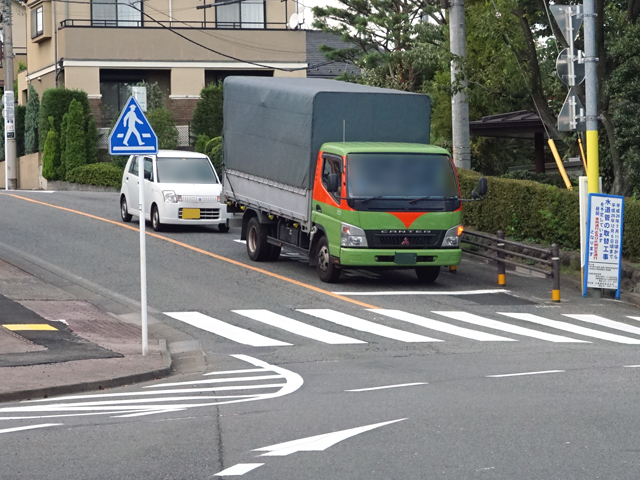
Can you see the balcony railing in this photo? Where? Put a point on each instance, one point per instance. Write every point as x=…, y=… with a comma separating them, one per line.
x=174, y=25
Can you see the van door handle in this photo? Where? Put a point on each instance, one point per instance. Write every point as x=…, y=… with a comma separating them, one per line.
x=126, y=178
x=318, y=209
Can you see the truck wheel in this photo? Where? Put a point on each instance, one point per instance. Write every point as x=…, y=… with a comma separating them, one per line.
x=223, y=228
x=327, y=271
x=257, y=247
x=427, y=274
x=275, y=253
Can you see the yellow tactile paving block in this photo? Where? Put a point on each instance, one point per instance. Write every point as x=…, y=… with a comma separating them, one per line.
x=28, y=326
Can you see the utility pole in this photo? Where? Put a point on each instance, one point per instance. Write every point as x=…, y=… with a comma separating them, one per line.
x=459, y=104
x=9, y=100
x=591, y=94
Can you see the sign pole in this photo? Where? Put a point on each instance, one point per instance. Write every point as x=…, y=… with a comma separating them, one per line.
x=591, y=94
x=143, y=259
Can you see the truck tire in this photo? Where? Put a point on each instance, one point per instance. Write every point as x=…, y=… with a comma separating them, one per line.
x=427, y=274
x=327, y=271
x=258, y=248
x=275, y=253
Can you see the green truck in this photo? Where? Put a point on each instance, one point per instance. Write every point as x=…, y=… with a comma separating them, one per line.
x=341, y=173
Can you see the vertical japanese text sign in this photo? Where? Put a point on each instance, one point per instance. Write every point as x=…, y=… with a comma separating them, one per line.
x=603, y=265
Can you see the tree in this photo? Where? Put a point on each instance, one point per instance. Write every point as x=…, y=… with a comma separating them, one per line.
x=207, y=116
x=155, y=97
x=75, y=146
x=164, y=126
x=51, y=153
x=31, y=122
x=62, y=162
x=91, y=141
x=55, y=103
x=396, y=43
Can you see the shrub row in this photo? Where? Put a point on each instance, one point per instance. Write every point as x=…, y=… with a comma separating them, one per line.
x=536, y=212
x=104, y=174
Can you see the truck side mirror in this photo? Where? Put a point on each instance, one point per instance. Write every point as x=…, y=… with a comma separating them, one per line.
x=481, y=189
x=333, y=182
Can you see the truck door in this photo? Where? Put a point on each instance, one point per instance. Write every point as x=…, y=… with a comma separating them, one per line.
x=327, y=204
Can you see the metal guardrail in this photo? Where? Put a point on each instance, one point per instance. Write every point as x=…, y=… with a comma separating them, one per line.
x=503, y=248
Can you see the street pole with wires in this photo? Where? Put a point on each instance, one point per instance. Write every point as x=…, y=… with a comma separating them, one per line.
x=459, y=103
x=11, y=174
x=591, y=96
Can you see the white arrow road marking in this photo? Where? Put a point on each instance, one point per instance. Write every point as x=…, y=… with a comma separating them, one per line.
x=317, y=443
x=387, y=386
x=30, y=427
x=239, y=469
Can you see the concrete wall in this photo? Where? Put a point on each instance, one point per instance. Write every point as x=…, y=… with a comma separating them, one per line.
x=28, y=171
x=2, y=174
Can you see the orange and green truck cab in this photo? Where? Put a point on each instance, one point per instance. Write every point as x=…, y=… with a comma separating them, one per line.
x=396, y=205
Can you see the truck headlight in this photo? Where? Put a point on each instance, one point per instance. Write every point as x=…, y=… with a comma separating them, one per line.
x=169, y=196
x=351, y=236
x=452, y=237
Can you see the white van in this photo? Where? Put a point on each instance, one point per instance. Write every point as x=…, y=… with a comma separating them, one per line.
x=181, y=188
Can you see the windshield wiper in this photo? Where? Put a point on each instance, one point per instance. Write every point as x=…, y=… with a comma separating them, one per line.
x=431, y=197
x=377, y=197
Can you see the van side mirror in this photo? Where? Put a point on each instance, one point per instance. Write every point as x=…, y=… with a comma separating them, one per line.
x=481, y=189
x=333, y=182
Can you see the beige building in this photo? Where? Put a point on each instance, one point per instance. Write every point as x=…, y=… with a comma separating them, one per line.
x=105, y=46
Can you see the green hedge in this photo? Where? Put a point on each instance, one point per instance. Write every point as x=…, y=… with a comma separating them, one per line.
x=537, y=212
x=104, y=174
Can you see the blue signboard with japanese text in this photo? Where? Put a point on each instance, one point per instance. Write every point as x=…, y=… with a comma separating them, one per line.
x=603, y=264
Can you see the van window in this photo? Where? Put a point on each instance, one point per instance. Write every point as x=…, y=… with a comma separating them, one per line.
x=133, y=168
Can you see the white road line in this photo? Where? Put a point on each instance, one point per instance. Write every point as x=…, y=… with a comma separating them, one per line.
x=632, y=366
x=226, y=330
x=317, y=443
x=424, y=292
x=239, y=469
x=229, y=372
x=299, y=328
x=387, y=386
x=525, y=373
x=569, y=327
x=244, y=242
x=507, y=327
x=633, y=318
x=605, y=322
x=216, y=380
x=30, y=427
x=366, y=326
x=441, y=326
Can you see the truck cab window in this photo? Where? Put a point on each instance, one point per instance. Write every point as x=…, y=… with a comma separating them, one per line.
x=329, y=166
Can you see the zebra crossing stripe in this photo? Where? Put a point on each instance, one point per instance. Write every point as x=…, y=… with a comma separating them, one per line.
x=226, y=330
x=299, y=328
x=569, y=327
x=507, y=327
x=442, y=326
x=605, y=322
x=366, y=326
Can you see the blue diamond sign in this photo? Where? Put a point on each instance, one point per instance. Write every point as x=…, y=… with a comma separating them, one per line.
x=132, y=134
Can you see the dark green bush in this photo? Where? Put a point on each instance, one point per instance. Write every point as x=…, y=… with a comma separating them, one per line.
x=31, y=121
x=212, y=147
x=20, y=113
x=546, y=178
x=540, y=213
x=103, y=174
x=91, y=141
x=207, y=117
x=164, y=125
x=55, y=103
x=75, y=149
x=51, y=154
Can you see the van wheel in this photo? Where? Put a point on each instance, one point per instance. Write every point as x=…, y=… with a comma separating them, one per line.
x=155, y=219
x=427, y=274
x=327, y=271
x=258, y=248
x=124, y=210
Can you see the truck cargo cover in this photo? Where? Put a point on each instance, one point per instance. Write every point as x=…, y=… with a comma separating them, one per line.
x=274, y=127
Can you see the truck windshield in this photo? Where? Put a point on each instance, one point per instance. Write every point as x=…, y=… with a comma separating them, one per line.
x=385, y=176
x=185, y=170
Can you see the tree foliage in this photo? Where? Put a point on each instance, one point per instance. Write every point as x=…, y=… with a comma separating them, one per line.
x=164, y=126
x=212, y=148
x=207, y=116
x=51, y=153
x=75, y=145
x=55, y=103
x=31, y=120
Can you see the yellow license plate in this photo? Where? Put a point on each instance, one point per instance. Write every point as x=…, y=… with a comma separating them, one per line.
x=190, y=213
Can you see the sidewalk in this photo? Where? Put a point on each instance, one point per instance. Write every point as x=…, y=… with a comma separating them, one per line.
x=53, y=343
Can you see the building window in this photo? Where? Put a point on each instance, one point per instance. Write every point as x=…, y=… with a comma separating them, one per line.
x=244, y=14
x=37, y=21
x=116, y=13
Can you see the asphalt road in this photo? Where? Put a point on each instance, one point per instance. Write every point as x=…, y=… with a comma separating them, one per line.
x=462, y=417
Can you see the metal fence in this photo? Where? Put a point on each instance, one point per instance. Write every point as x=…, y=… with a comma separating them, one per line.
x=507, y=252
x=184, y=136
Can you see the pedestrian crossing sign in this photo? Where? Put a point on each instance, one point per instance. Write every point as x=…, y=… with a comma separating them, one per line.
x=132, y=134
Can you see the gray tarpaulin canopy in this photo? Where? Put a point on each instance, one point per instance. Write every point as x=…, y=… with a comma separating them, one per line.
x=274, y=127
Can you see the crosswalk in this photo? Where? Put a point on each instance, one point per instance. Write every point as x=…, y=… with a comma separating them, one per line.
x=379, y=325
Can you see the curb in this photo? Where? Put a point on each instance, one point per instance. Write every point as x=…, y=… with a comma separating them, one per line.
x=163, y=371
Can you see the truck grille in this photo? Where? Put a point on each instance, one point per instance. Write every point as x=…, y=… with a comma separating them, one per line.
x=398, y=239
x=205, y=214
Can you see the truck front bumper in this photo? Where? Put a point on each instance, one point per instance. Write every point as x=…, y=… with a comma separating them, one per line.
x=364, y=257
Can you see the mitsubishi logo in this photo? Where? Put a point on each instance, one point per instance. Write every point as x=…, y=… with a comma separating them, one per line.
x=405, y=241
